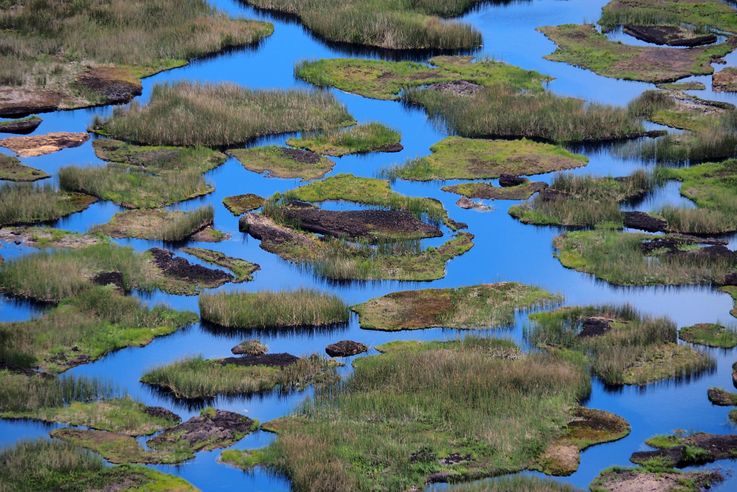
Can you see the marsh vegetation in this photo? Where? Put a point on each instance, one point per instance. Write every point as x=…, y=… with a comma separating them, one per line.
x=359, y=139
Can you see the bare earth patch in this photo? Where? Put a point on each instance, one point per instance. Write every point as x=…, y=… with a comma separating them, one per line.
x=44, y=144
x=725, y=80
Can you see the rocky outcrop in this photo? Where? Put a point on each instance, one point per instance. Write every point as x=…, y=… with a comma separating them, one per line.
x=345, y=348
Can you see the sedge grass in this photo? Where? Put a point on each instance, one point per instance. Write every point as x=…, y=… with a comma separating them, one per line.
x=359, y=139
x=26, y=204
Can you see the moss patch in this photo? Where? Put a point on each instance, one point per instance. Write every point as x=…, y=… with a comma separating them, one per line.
x=240, y=204
x=122, y=415
x=282, y=162
x=242, y=269
x=447, y=414
x=679, y=110
x=385, y=79
x=709, y=334
x=360, y=139
x=198, y=378
x=621, y=346
x=681, y=450
x=11, y=169
x=584, y=46
x=490, y=192
x=87, y=327
x=158, y=158
x=161, y=224
x=27, y=204
x=465, y=158
x=705, y=14
x=481, y=306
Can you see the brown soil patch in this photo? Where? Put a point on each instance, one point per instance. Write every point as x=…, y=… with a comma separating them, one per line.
x=594, y=326
x=507, y=180
x=713, y=446
x=271, y=360
x=639, y=481
x=17, y=102
x=670, y=35
x=240, y=204
x=113, y=85
x=722, y=398
x=210, y=430
x=44, y=144
x=643, y=221
x=268, y=231
x=725, y=80
x=345, y=348
x=360, y=223
x=110, y=278
x=301, y=156
x=467, y=204
x=21, y=127
x=208, y=234
x=457, y=87
x=181, y=269
x=38, y=237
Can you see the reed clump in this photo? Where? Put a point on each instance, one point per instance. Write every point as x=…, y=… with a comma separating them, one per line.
x=27, y=204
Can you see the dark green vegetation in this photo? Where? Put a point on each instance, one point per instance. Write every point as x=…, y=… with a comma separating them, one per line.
x=732, y=291
x=465, y=158
x=241, y=115
x=283, y=162
x=31, y=466
x=53, y=276
x=71, y=55
x=27, y=204
x=240, y=204
x=704, y=14
x=273, y=309
x=391, y=24
x=618, y=478
x=386, y=79
x=198, y=378
x=359, y=139
x=584, y=46
x=620, y=345
x=11, y=169
x=681, y=450
x=491, y=192
x=641, y=259
x=709, y=334
x=242, y=269
x=450, y=412
x=144, y=176
x=480, y=306
x=211, y=429
x=583, y=200
x=85, y=328
x=165, y=225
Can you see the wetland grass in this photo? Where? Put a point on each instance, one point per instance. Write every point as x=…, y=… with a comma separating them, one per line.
x=705, y=14
x=709, y=334
x=359, y=139
x=260, y=310
x=620, y=345
x=161, y=224
x=222, y=115
x=283, y=162
x=27, y=204
x=11, y=169
x=242, y=269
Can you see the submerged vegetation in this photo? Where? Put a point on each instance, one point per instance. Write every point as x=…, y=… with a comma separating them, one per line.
x=359, y=139
x=84, y=328
x=443, y=415
x=27, y=204
x=198, y=378
x=287, y=309
x=466, y=158
x=283, y=162
x=222, y=115
x=620, y=345
x=61, y=55
x=480, y=306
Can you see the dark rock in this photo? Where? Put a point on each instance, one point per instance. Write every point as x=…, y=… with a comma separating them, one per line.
x=162, y=413
x=345, y=348
x=643, y=221
x=273, y=360
x=721, y=398
x=422, y=455
x=455, y=458
x=21, y=127
x=670, y=35
x=205, y=429
x=395, y=147
x=595, y=326
x=110, y=278
x=506, y=180
x=438, y=477
x=467, y=204
x=730, y=279
x=181, y=269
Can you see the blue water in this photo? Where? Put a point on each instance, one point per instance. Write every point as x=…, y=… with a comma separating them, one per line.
x=505, y=250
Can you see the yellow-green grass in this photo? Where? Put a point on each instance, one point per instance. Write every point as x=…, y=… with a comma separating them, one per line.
x=205, y=432
x=732, y=291
x=30, y=466
x=240, y=204
x=359, y=139
x=28, y=392
x=583, y=46
x=282, y=162
x=27, y=204
x=619, y=478
x=84, y=328
x=222, y=115
x=467, y=158
x=479, y=306
x=79, y=55
x=704, y=14
x=158, y=158
x=11, y=169
x=496, y=347
x=491, y=192
x=158, y=224
x=537, y=115
x=683, y=86
x=709, y=334
x=270, y=309
x=679, y=110
x=386, y=24
x=242, y=269
x=197, y=378
x=368, y=191
x=342, y=261
x=632, y=349
x=499, y=413
x=50, y=276
x=618, y=258
x=583, y=200
x=121, y=415
x=380, y=79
